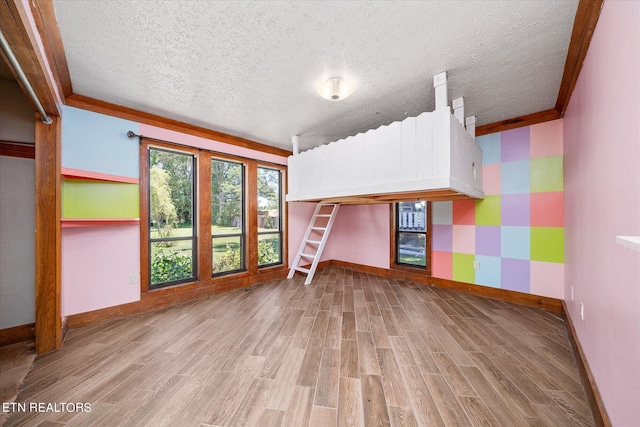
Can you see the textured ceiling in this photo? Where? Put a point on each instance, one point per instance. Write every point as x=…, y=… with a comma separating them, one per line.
x=251, y=68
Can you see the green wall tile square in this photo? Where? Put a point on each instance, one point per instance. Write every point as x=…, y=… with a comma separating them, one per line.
x=547, y=244
x=546, y=174
x=463, y=267
x=488, y=211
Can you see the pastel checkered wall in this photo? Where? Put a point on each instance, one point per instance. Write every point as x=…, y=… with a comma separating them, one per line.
x=516, y=233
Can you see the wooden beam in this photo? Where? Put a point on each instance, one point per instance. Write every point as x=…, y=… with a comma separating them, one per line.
x=24, y=45
x=17, y=334
x=45, y=18
x=516, y=122
x=251, y=219
x=429, y=196
x=114, y=110
x=48, y=241
x=203, y=212
x=583, y=27
x=9, y=149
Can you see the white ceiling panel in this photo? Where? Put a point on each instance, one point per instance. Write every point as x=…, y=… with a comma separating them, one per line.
x=251, y=68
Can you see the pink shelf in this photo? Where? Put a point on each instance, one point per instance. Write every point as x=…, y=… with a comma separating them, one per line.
x=96, y=222
x=81, y=174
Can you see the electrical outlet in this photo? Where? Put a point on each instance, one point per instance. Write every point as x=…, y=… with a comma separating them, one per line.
x=476, y=265
x=581, y=311
x=133, y=279
x=572, y=293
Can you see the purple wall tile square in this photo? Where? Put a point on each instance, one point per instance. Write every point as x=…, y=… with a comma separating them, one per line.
x=516, y=209
x=442, y=238
x=515, y=144
x=487, y=240
x=515, y=274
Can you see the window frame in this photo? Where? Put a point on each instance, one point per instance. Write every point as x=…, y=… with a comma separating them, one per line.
x=280, y=231
x=394, y=239
x=243, y=232
x=194, y=218
x=205, y=282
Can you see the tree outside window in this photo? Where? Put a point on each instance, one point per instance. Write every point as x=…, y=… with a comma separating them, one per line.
x=269, y=217
x=172, y=242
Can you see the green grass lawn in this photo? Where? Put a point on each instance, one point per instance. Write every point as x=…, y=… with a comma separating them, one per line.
x=220, y=244
x=414, y=260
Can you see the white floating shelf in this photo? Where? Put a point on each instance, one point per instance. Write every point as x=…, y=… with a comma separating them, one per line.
x=631, y=242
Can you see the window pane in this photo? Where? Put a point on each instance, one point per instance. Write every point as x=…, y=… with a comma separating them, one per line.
x=412, y=216
x=171, y=261
x=412, y=248
x=171, y=210
x=227, y=254
x=268, y=199
x=226, y=197
x=171, y=188
x=269, y=249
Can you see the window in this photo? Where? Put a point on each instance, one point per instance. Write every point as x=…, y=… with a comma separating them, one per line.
x=205, y=216
x=227, y=216
x=269, y=217
x=411, y=234
x=172, y=232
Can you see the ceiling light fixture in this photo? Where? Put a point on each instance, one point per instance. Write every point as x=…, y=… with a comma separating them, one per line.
x=335, y=89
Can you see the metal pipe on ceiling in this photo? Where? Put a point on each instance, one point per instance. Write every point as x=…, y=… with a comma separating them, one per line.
x=44, y=117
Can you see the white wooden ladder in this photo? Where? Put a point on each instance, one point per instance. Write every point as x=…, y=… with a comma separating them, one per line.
x=314, y=240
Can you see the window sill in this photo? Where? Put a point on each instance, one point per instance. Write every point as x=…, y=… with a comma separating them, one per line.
x=413, y=269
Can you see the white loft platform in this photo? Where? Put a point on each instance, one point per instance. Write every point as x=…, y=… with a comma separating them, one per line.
x=429, y=157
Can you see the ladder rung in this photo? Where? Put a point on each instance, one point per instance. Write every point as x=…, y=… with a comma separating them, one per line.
x=302, y=269
x=324, y=215
x=313, y=242
x=319, y=228
x=312, y=256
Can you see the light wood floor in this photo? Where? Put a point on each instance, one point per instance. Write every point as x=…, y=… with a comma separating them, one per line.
x=349, y=349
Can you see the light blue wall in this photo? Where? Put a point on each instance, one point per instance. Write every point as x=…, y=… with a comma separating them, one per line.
x=99, y=143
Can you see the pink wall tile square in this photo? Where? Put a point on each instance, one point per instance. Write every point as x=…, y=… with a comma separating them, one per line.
x=464, y=239
x=491, y=179
x=546, y=139
x=464, y=212
x=547, y=279
x=547, y=209
x=442, y=264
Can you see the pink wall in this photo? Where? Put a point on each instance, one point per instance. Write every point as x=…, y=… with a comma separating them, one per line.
x=195, y=141
x=299, y=215
x=360, y=233
x=602, y=200
x=98, y=264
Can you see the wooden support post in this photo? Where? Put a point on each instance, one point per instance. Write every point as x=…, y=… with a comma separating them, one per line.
x=440, y=84
x=458, y=109
x=48, y=240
